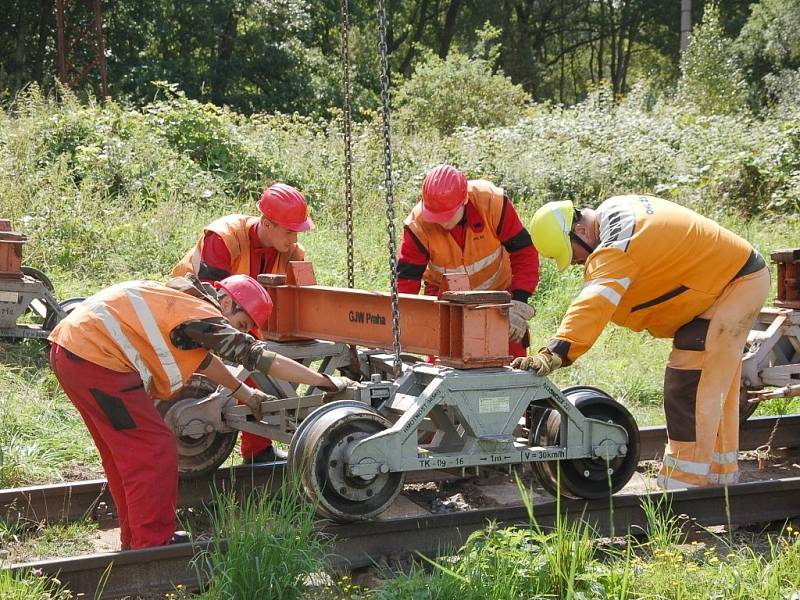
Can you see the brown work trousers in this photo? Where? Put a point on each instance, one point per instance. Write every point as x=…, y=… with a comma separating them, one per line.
x=701, y=387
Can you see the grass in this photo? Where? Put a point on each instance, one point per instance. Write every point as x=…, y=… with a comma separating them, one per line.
x=262, y=546
x=570, y=562
x=26, y=587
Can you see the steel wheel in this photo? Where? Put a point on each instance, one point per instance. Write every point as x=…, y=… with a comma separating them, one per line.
x=293, y=461
x=198, y=456
x=539, y=436
x=319, y=452
x=589, y=477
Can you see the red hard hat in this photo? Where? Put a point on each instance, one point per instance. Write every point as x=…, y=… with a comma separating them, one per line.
x=250, y=295
x=444, y=191
x=286, y=206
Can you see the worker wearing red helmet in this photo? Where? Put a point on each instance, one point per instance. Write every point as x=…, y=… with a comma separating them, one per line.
x=469, y=227
x=140, y=341
x=252, y=246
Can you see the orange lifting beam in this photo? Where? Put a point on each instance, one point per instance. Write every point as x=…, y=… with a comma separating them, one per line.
x=462, y=329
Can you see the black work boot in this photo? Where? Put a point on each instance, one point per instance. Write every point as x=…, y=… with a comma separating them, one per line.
x=268, y=455
x=180, y=537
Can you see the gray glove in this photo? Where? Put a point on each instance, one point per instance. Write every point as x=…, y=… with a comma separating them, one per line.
x=542, y=363
x=253, y=399
x=518, y=316
x=338, y=384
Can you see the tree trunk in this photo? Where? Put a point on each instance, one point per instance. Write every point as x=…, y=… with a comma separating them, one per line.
x=17, y=65
x=686, y=23
x=221, y=75
x=449, y=28
x=405, y=64
x=45, y=20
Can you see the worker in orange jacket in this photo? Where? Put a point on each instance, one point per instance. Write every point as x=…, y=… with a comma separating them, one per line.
x=140, y=341
x=469, y=227
x=252, y=246
x=652, y=264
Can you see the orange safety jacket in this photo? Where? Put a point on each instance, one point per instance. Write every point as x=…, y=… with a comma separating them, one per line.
x=235, y=233
x=483, y=259
x=126, y=328
x=657, y=266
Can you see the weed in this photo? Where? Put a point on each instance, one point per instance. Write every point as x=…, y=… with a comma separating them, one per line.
x=262, y=546
x=15, y=586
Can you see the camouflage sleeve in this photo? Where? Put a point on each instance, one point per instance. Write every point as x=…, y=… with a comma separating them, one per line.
x=224, y=341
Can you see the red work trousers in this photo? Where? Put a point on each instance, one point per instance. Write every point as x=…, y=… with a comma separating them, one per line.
x=137, y=449
x=251, y=444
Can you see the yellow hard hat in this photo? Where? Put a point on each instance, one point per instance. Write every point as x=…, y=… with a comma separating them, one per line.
x=550, y=229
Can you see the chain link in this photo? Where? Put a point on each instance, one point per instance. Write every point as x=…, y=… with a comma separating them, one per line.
x=347, y=134
x=389, y=185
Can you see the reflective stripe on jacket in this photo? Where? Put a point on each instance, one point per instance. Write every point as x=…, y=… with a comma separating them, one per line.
x=126, y=328
x=658, y=265
x=483, y=259
x=235, y=232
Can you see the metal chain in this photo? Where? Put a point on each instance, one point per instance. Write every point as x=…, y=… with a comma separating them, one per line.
x=389, y=185
x=347, y=133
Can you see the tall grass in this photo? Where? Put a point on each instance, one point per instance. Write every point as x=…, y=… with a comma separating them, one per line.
x=567, y=563
x=262, y=546
x=15, y=586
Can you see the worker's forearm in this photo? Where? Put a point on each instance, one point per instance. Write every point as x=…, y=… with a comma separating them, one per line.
x=289, y=370
x=217, y=372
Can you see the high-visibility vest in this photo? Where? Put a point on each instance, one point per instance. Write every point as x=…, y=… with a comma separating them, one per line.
x=483, y=259
x=235, y=233
x=126, y=328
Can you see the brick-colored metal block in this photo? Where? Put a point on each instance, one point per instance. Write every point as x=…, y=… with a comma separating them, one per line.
x=788, y=281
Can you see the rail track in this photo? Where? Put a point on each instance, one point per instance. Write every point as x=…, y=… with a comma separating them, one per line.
x=159, y=570
x=75, y=500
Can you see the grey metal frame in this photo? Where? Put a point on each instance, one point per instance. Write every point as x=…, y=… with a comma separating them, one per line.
x=476, y=413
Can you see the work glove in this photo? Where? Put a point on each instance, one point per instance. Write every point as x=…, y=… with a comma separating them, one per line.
x=542, y=363
x=253, y=399
x=518, y=316
x=337, y=384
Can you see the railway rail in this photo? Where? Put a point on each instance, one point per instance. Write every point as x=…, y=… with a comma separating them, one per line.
x=74, y=500
x=158, y=570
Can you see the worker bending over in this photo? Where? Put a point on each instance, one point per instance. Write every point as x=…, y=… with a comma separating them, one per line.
x=652, y=264
x=140, y=341
x=251, y=246
x=469, y=227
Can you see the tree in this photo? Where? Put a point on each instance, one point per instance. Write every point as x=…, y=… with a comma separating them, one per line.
x=769, y=44
x=711, y=77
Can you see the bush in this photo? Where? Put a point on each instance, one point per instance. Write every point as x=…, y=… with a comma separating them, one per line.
x=443, y=95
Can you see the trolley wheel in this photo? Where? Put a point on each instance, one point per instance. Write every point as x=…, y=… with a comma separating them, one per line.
x=588, y=477
x=198, y=456
x=293, y=462
x=539, y=436
x=319, y=450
